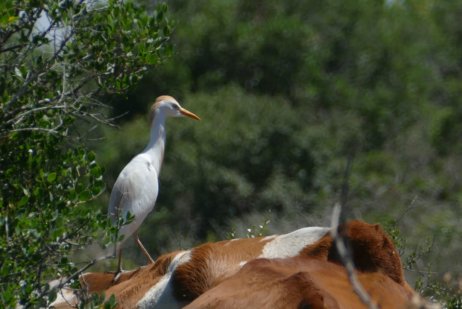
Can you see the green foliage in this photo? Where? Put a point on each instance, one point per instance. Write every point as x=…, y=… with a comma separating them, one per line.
x=449, y=292
x=57, y=58
x=288, y=91
x=128, y=42
x=446, y=290
x=313, y=53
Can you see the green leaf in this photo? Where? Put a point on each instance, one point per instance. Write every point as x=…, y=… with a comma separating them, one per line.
x=51, y=177
x=23, y=201
x=110, y=303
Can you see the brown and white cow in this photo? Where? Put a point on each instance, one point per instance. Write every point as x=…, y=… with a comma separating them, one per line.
x=299, y=269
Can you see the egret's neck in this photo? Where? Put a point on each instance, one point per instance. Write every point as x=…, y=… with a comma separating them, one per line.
x=156, y=145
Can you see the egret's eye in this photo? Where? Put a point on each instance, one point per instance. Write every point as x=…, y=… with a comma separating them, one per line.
x=175, y=106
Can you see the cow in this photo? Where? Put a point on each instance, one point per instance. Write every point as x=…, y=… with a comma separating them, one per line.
x=299, y=283
x=301, y=269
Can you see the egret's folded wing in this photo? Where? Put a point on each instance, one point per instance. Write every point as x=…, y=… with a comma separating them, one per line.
x=118, y=194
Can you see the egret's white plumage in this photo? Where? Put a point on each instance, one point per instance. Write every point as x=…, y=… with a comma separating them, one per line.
x=135, y=190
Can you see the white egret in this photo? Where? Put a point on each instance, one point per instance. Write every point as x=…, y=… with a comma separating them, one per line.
x=135, y=190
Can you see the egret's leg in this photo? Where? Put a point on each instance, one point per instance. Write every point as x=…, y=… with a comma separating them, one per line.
x=146, y=253
x=119, y=266
x=119, y=262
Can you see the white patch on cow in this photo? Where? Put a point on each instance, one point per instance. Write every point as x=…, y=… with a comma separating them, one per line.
x=289, y=245
x=66, y=298
x=161, y=294
x=242, y=263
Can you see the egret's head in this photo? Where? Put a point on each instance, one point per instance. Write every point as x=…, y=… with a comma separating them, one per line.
x=171, y=108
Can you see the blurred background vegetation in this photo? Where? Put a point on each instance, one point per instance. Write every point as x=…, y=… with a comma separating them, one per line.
x=288, y=91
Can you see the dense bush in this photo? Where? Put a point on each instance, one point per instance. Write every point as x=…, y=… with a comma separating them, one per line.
x=57, y=58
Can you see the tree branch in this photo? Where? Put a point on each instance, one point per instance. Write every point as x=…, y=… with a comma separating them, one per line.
x=71, y=277
x=345, y=256
x=31, y=77
x=346, y=259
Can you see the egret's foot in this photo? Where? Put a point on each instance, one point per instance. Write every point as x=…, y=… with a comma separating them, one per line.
x=117, y=275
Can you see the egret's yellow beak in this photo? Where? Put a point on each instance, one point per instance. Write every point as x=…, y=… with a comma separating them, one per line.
x=187, y=113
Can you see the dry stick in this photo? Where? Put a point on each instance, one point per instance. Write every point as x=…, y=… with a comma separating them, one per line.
x=345, y=255
x=78, y=273
x=74, y=275
x=347, y=261
x=407, y=209
x=34, y=75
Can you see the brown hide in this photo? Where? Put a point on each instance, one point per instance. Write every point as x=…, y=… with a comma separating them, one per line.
x=316, y=279
x=372, y=250
x=213, y=276
x=132, y=285
x=299, y=283
x=211, y=263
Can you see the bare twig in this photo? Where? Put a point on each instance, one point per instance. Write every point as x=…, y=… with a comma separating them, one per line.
x=11, y=48
x=345, y=187
x=346, y=259
x=34, y=75
x=51, y=131
x=345, y=255
x=408, y=208
x=7, y=229
x=16, y=120
x=84, y=268
x=74, y=275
